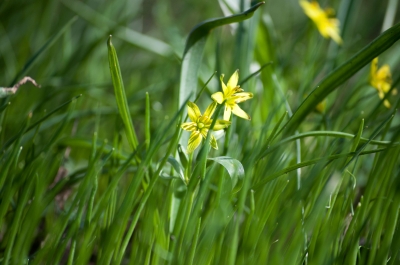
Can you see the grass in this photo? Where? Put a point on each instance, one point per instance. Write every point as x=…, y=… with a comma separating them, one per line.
x=93, y=164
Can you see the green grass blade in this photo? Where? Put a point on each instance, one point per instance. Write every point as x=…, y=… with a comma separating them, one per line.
x=314, y=161
x=268, y=150
x=120, y=95
x=147, y=122
x=234, y=168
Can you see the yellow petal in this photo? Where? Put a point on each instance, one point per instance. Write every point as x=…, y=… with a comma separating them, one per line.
x=332, y=30
x=381, y=95
x=328, y=27
x=239, y=112
x=237, y=90
x=213, y=142
x=232, y=83
x=243, y=96
x=189, y=126
x=210, y=109
x=193, y=111
x=227, y=113
x=312, y=10
x=204, y=133
x=221, y=124
x=218, y=97
x=384, y=75
x=321, y=106
x=223, y=84
x=384, y=86
x=194, y=141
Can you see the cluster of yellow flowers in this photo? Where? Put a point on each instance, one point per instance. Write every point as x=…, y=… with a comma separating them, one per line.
x=231, y=96
x=380, y=79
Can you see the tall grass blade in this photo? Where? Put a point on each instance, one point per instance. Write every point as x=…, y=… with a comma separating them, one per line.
x=120, y=95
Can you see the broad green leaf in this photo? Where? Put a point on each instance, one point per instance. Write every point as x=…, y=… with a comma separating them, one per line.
x=235, y=170
x=120, y=95
x=343, y=73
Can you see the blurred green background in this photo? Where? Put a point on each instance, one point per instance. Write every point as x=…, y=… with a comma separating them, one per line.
x=63, y=46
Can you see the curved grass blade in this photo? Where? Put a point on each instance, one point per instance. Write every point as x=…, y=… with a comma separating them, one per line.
x=254, y=74
x=202, y=29
x=235, y=170
x=177, y=167
x=312, y=162
x=343, y=73
x=120, y=95
x=194, y=50
x=268, y=150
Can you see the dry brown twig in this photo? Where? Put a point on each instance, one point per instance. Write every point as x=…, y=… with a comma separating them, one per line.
x=4, y=91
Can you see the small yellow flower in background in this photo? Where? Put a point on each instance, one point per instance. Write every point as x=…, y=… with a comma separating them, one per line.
x=321, y=107
x=328, y=27
x=232, y=95
x=381, y=79
x=200, y=125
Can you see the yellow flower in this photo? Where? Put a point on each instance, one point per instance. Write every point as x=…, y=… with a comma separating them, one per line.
x=200, y=125
x=321, y=107
x=381, y=79
x=232, y=95
x=328, y=27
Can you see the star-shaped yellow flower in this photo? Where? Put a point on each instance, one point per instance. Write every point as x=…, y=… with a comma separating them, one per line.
x=232, y=95
x=381, y=79
x=200, y=125
x=328, y=27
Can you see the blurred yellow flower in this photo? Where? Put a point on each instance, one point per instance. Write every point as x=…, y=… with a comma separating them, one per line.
x=381, y=79
x=321, y=107
x=232, y=95
x=200, y=125
x=328, y=27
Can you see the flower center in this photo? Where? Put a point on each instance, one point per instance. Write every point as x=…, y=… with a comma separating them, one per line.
x=200, y=125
